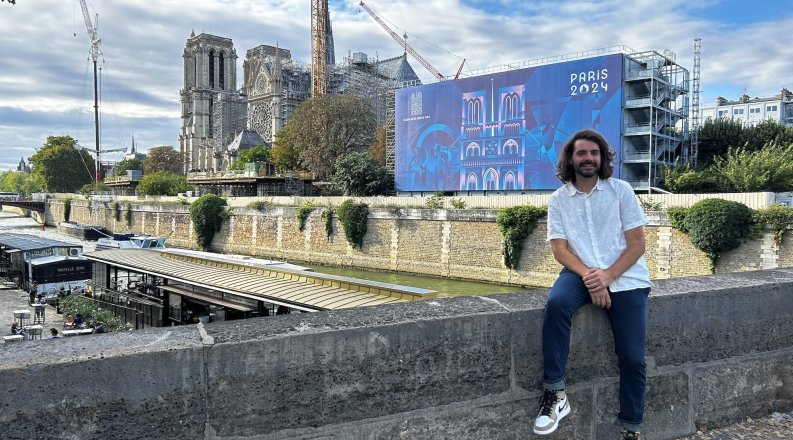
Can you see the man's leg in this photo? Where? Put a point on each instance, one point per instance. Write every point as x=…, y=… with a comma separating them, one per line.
x=628, y=316
x=567, y=295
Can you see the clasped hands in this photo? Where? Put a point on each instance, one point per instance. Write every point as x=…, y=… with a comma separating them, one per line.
x=597, y=282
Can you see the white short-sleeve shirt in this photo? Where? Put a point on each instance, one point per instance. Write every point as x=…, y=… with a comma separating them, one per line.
x=594, y=226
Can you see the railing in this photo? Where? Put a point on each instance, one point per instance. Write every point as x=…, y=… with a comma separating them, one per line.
x=637, y=128
x=235, y=174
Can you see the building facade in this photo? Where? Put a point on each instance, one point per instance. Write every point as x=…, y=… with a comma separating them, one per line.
x=750, y=111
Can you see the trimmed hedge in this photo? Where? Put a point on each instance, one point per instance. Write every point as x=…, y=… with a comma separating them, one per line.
x=353, y=217
x=715, y=226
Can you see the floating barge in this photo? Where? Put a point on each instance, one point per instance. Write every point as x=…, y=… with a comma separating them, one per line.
x=83, y=232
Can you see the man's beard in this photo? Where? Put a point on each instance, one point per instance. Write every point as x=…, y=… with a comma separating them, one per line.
x=586, y=174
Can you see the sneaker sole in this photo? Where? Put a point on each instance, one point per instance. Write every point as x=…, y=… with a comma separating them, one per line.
x=565, y=411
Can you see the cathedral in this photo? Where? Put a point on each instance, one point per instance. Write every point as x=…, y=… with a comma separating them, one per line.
x=219, y=121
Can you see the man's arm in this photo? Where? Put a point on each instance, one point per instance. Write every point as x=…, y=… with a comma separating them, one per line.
x=562, y=253
x=602, y=278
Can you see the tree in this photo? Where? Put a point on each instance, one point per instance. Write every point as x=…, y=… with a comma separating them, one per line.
x=716, y=136
x=763, y=133
x=686, y=179
x=93, y=187
x=378, y=148
x=163, y=184
x=20, y=182
x=128, y=164
x=328, y=127
x=257, y=153
x=769, y=169
x=357, y=174
x=163, y=159
x=61, y=165
x=284, y=154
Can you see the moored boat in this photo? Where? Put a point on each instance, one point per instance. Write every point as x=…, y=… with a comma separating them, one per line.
x=130, y=241
x=84, y=232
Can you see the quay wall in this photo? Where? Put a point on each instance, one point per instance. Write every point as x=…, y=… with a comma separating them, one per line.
x=464, y=244
x=719, y=349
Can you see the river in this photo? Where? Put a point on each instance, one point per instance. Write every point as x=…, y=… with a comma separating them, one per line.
x=445, y=287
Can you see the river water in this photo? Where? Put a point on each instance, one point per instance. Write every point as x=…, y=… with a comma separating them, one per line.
x=445, y=287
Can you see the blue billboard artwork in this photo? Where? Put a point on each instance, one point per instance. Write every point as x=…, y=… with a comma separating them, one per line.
x=502, y=132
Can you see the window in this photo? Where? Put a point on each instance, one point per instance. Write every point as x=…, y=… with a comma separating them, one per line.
x=509, y=181
x=737, y=111
x=754, y=110
x=222, y=69
x=472, y=150
x=491, y=180
x=470, y=182
x=723, y=113
x=771, y=108
x=212, y=69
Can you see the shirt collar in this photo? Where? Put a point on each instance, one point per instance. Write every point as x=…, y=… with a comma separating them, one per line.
x=571, y=189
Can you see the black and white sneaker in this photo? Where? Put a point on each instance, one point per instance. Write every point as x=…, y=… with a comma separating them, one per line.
x=553, y=407
x=629, y=435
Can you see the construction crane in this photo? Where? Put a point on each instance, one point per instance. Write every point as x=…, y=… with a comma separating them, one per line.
x=408, y=48
x=94, y=51
x=319, y=47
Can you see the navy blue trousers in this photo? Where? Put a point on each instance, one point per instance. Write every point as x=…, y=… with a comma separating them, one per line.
x=628, y=317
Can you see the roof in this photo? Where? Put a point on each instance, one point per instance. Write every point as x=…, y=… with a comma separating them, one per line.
x=397, y=69
x=295, y=288
x=27, y=242
x=245, y=140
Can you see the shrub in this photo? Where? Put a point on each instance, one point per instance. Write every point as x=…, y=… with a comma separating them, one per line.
x=353, y=217
x=517, y=223
x=208, y=213
x=303, y=212
x=457, y=203
x=92, y=314
x=67, y=209
x=128, y=215
x=677, y=218
x=116, y=208
x=260, y=205
x=327, y=216
x=778, y=217
x=715, y=226
x=435, y=202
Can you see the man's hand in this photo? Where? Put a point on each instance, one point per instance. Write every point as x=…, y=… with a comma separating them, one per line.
x=597, y=282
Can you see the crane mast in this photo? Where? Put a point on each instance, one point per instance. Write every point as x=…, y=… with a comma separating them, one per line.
x=94, y=51
x=319, y=47
x=402, y=42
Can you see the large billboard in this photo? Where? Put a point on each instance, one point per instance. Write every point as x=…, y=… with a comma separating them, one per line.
x=503, y=131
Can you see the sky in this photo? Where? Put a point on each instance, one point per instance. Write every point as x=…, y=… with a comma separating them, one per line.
x=46, y=76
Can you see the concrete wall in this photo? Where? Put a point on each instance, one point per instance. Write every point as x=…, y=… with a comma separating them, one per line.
x=463, y=244
x=720, y=348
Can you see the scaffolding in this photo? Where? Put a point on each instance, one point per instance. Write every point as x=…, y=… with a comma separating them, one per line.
x=694, y=152
x=655, y=119
x=390, y=132
x=229, y=116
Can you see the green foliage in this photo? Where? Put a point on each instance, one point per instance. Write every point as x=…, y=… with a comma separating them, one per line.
x=92, y=314
x=257, y=153
x=778, y=217
x=208, y=213
x=125, y=165
x=260, y=205
x=457, y=203
x=303, y=212
x=716, y=136
x=128, y=215
x=357, y=174
x=116, y=208
x=768, y=169
x=21, y=182
x=92, y=188
x=353, y=217
x=163, y=159
x=435, y=201
x=758, y=136
x=284, y=152
x=67, y=209
x=378, y=148
x=650, y=205
x=517, y=223
x=715, y=226
x=677, y=218
x=324, y=129
x=327, y=216
x=685, y=179
x=61, y=166
x=163, y=184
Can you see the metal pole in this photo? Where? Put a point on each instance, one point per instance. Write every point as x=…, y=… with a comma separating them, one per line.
x=96, y=121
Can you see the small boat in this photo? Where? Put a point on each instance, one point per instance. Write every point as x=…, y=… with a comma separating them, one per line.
x=84, y=232
x=130, y=241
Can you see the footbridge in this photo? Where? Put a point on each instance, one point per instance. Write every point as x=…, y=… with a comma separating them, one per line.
x=25, y=204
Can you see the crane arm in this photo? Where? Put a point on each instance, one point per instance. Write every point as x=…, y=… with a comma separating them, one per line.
x=91, y=31
x=403, y=43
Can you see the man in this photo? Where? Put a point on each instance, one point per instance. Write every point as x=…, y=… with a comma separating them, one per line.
x=595, y=229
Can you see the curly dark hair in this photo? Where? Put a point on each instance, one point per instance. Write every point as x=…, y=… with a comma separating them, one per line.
x=564, y=168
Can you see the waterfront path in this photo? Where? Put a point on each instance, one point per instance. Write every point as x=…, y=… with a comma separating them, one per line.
x=15, y=299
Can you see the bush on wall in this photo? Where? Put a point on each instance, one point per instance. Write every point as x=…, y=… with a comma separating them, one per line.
x=303, y=212
x=327, y=216
x=517, y=223
x=715, y=226
x=67, y=209
x=778, y=217
x=116, y=208
x=208, y=213
x=128, y=215
x=353, y=217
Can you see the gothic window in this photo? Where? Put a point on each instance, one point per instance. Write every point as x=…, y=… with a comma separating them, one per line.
x=510, y=147
x=511, y=109
x=211, y=68
x=261, y=119
x=474, y=108
x=221, y=65
x=491, y=180
x=470, y=182
x=509, y=181
x=472, y=150
x=195, y=71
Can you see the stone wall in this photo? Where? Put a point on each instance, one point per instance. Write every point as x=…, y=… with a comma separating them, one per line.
x=719, y=349
x=464, y=244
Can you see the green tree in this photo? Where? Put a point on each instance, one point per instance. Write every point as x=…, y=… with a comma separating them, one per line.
x=716, y=136
x=162, y=159
x=378, y=148
x=93, y=187
x=128, y=164
x=326, y=128
x=357, y=174
x=163, y=184
x=257, y=153
x=768, y=169
x=61, y=166
x=284, y=154
x=20, y=182
x=687, y=179
x=763, y=133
